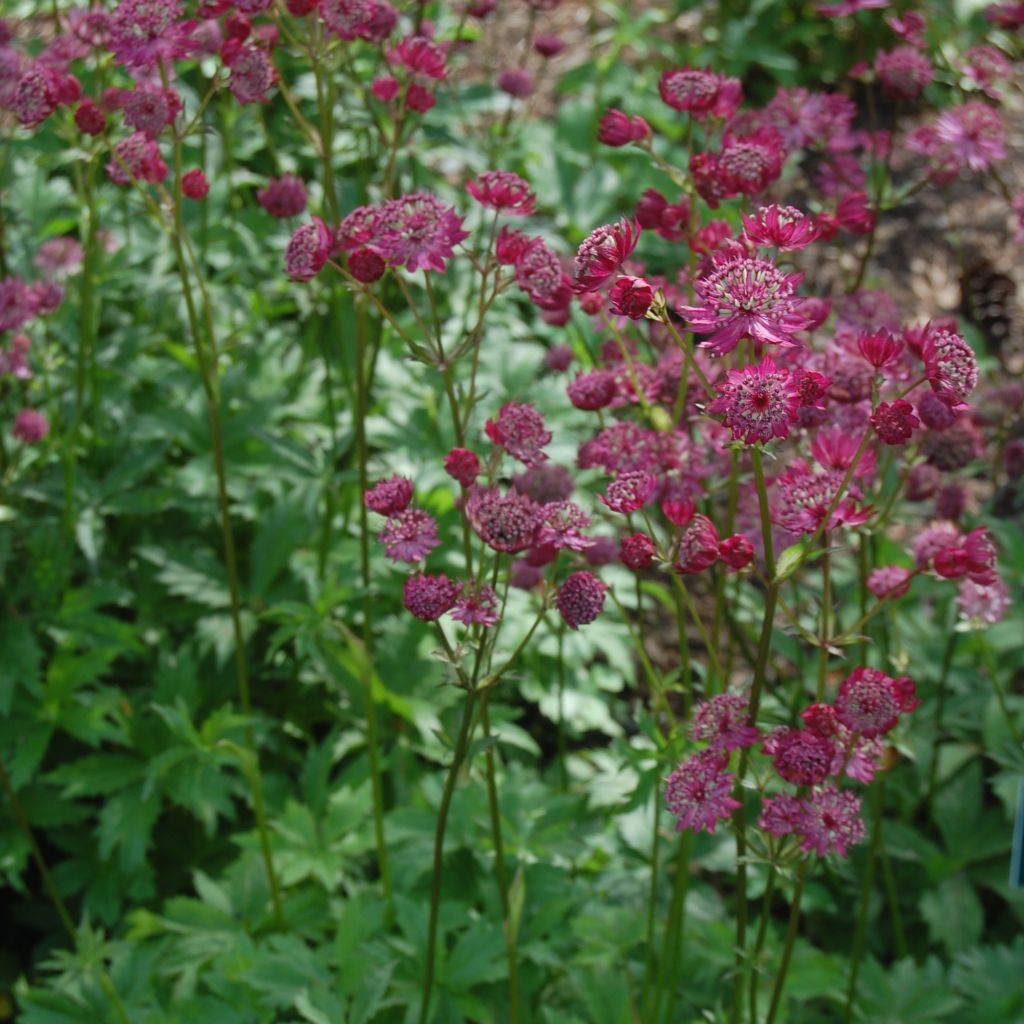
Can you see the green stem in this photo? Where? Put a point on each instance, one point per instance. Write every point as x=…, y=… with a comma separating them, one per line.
x=459, y=756
x=673, y=929
x=787, y=952
x=826, y=612
x=762, y=933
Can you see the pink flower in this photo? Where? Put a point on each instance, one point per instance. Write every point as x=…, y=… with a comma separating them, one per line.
x=670, y=220
x=283, y=197
x=637, y=551
x=89, y=119
x=30, y=426
x=477, y=605
x=366, y=265
x=592, y=390
x=631, y=297
x=421, y=56
x=759, y=402
x=909, y=26
x=780, y=815
x=847, y=7
x=37, y=95
x=745, y=298
x=698, y=547
x=891, y=581
x=949, y=363
x=868, y=702
x=548, y=45
x=136, y=157
x=894, y=422
x=619, y=129
x=143, y=32
x=972, y=135
x=580, y=599
x=539, y=273
x=629, y=491
x=357, y=228
x=429, y=597
x=308, y=250
x=603, y=252
x=462, y=465
x=194, y=184
x=937, y=412
x=724, y=723
x=252, y=74
x=700, y=93
x=801, y=756
x=983, y=604
x=389, y=497
x=805, y=495
x=358, y=19
x=972, y=555
x=780, y=227
x=16, y=305
x=563, y=526
x=903, y=72
x=829, y=821
x=879, y=348
x=699, y=792
x=384, y=88
x=503, y=191
x=409, y=536
x=747, y=165
x=507, y=523
x=150, y=109
x=519, y=429
x=517, y=82
x=854, y=215
x=737, y=552
x=418, y=231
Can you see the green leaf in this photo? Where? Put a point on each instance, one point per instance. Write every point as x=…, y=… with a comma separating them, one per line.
x=954, y=913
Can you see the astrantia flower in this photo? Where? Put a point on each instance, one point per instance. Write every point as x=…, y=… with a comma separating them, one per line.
x=603, y=252
x=937, y=412
x=420, y=55
x=409, y=536
x=724, y=722
x=903, y=72
x=503, y=191
x=389, y=497
x=307, y=250
x=429, y=597
x=517, y=82
x=563, y=526
x=631, y=297
x=619, y=129
x=544, y=483
x=745, y=298
x=37, y=95
x=868, y=702
x=801, y=756
x=811, y=387
x=972, y=135
x=759, y=402
x=580, y=599
x=462, y=465
x=136, y=157
x=894, y=422
x=879, y=348
x=670, y=220
x=891, y=581
x=519, y=429
x=283, y=197
x=780, y=227
x=698, y=546
x=539, y=273
x=418, y=231
x=142, y=32
x=477, y=605
x=949, y=363
x=972, y=555
x=629, y=491
x=505, y=522
x=780, y=815
x=194, y=184
x=829, y=821
x=981, y=604
x=637, y=551
x=804, y=496
x=699, y=92
x=699, y=792
x=358, y=19
x=16, y=306
x=252, y=74
x=150, y=109
x=30, y=426
x=737, y=551
x=592, y=390
x=748, y=164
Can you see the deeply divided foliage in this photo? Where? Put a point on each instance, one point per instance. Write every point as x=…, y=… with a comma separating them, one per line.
x=487, y=532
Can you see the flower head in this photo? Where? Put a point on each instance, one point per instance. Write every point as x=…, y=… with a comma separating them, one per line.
x=972, y=135
x=136, y=157
x=503, y=191
x=894, y=422
x=409, y=535
x=505, y=522
x=519, y=429
x=903, y=72
x=30, y=426
x=868, y=702
x=563, y=526
x=631, y=297
x=477, y=605
x=539, y=273
x=580, y=599
x=949, y=363
x=429, y=597
x=592, y=390
x=619, y=129
x=637, y=551
x=629, y=491
x=891, y=581
x=463, y=466
x=699, y=92
x=603, y=252
x=724, y=723
x=829, y=821
x=142, y=32
x=389, y=497
x=745, y=298
x=698, y=546
x=801, y=756
x=780, y=227
x=699, y=792
x=418, y=231
x=737, y=551
x=307, y=250
x=283, y=197
x=759, y=402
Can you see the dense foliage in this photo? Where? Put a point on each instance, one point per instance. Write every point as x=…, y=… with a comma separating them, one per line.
x=487, y=533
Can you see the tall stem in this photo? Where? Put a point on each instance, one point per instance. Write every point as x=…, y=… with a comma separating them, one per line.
x=787, y=952
x=461, y=748
x=826, y=612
